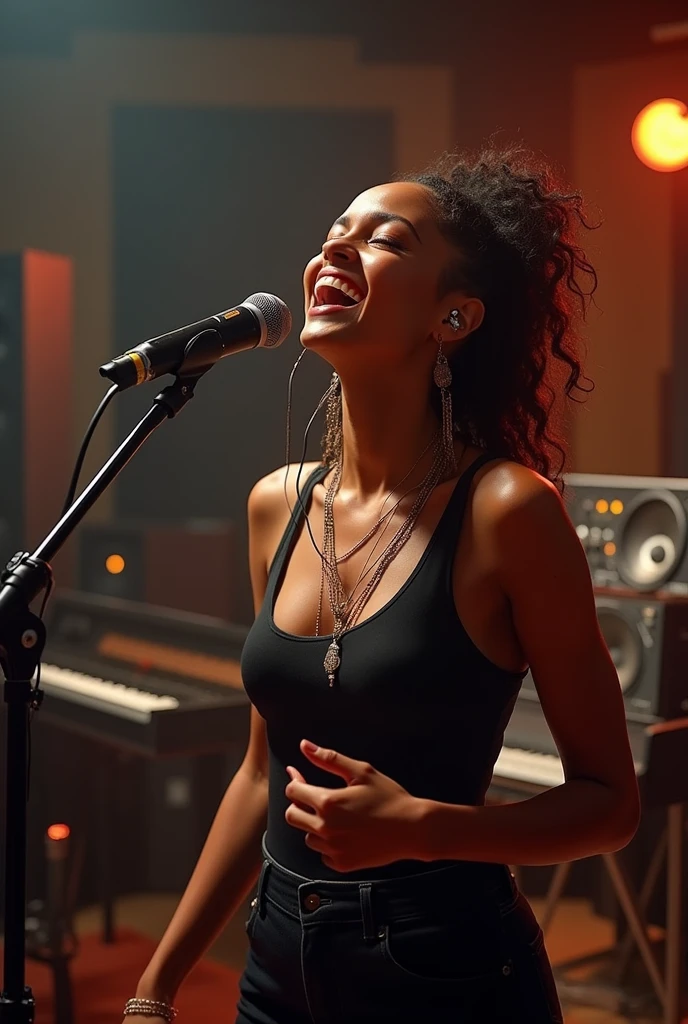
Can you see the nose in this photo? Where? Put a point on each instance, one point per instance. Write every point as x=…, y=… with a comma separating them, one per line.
x=338, y=248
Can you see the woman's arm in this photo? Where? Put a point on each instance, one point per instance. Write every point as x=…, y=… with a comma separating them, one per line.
x=542, y=568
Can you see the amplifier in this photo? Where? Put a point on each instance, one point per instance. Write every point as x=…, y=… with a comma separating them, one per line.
x=647, y=638
x=633, y=529
x=189, y=565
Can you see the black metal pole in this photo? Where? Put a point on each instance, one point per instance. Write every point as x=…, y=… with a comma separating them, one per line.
x=15, y=997
x=22, y=638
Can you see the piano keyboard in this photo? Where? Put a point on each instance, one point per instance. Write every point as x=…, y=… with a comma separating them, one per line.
x=529, y=766
x=149, y=681
x=103, y=694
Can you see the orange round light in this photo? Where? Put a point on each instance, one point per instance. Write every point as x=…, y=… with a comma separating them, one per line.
x=609, y=549
x=660, y=135
x=601, y=506
x=58, y=832
x=115, y=564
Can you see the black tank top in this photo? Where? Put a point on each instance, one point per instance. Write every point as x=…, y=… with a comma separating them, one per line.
x=414, y=696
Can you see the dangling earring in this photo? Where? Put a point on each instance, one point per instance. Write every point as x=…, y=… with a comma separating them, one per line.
x=442, y=376
x=332, y=438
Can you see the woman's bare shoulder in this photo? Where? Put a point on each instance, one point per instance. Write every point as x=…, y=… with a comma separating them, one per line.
x=267, y=498
x=503, y=485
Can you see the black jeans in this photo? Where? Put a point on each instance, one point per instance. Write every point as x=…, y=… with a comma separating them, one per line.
x=457, y=944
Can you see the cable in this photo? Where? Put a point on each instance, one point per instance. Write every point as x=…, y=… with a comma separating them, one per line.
x=299, y=498
x=105, y=401
x=73, y=484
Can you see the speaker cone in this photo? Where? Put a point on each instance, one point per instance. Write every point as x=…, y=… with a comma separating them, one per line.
x=652, y=540
x=624, y=643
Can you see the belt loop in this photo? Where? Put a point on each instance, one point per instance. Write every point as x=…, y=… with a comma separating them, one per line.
x=262, y=885
x=365, y=890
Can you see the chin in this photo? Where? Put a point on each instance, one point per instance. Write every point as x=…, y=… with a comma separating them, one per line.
x=324, y=335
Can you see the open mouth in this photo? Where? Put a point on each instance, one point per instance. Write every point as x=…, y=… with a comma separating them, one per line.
x=333, y=293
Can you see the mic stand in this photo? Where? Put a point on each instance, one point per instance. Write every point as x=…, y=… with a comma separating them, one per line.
x=22, y=639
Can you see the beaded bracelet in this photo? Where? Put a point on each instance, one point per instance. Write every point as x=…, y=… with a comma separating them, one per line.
x=150, y=1008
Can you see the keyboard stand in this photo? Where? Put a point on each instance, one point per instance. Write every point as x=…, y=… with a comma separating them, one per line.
x=667, y=984
x=666, y=778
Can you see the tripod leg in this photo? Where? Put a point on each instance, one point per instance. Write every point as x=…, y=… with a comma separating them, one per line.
x=556, y=888
x=627, y=943
x=637, y=924
x=674, y=914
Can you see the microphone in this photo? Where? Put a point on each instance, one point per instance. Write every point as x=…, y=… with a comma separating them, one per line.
x=261, y=321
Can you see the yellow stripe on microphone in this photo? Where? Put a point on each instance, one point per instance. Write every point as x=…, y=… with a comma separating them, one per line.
x=139, y=366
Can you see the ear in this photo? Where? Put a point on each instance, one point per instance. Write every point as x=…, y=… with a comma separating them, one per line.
x=458, y=317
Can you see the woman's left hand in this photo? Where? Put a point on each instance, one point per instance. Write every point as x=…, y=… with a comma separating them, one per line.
x=370, y=822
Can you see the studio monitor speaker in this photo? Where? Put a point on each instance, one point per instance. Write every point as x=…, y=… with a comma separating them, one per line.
x=647, y=638
x=633, y=529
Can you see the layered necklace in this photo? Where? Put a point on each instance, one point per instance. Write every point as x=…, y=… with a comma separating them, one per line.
x=347, y=609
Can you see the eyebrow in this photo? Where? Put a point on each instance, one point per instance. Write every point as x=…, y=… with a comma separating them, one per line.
x=382, y=218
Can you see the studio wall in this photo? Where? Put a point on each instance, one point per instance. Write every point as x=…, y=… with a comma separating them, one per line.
x=68, y=123
x=331, y=112
x=625, y=425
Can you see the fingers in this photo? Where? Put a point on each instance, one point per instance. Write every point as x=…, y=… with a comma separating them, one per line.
x=332, y=761
x=295, y=774
x=316, y=842
x=300, y=818
x=314, y=797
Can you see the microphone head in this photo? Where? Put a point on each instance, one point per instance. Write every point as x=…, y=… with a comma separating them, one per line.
x=274, y=315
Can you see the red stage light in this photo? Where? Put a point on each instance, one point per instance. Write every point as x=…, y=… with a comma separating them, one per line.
x=660, y=135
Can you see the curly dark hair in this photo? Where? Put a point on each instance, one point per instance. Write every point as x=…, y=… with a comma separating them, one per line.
x=514, y=226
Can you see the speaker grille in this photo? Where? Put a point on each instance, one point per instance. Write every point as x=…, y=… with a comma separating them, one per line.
x=652, y=541
x=624, y=644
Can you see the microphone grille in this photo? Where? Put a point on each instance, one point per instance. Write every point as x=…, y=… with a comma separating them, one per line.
x=277, y=317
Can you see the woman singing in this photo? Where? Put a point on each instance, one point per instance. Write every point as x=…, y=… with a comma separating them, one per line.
x=403, y=586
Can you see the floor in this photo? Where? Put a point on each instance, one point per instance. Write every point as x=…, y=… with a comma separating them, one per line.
x=575, y=931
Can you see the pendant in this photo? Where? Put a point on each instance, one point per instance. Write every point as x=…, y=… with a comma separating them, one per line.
x=332, y=661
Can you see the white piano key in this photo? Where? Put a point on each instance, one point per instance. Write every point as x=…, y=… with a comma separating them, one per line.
x=121, y=700
x=529, y=766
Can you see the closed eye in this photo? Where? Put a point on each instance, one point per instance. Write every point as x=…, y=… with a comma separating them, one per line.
x=391, y=242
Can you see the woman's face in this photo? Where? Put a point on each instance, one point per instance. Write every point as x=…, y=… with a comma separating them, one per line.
x=375, y=282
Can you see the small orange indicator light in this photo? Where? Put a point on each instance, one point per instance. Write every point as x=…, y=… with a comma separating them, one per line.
x=609, y=549
x=115, y=564
x=601, y=506
x=58, y=832
x=616, y=507
x=660, y=135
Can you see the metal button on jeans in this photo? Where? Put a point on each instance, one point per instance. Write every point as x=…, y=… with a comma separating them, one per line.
x=312, y=901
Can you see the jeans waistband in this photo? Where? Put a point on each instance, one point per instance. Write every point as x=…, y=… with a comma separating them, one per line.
x=465, y=883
